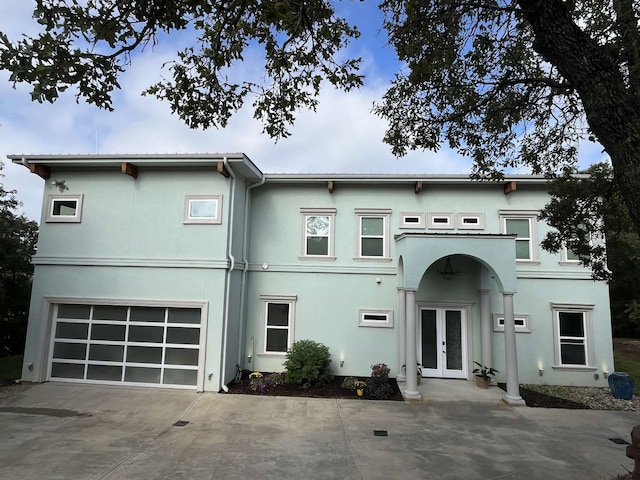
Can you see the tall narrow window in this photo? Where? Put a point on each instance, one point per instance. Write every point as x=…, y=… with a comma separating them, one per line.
x=373, y=233
x=572, y=333
x=523, y=225
x=318, y=233
x=278, y=323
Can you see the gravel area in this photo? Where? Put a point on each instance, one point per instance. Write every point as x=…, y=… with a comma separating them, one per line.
x=587, y=397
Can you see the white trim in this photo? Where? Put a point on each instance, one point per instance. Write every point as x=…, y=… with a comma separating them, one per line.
x=476, y=219
x=385, y=215
x=61, y=218
x=415, y=220
x=319, y=212
x=587, y=318
x=435, y=221
x=565, y=260
x=202, y=220
x=532, y=218
x=289, y=300
x=371, y=317
x=522, y=323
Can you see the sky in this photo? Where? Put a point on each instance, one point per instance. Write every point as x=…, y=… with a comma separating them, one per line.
x=342, y=136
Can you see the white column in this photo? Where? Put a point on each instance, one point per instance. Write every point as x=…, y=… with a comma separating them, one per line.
x=512, y=396
x=411, y=391
x=402, y=335
x=485, y=325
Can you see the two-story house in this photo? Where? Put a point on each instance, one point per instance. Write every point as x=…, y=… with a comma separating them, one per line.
x=170, y=270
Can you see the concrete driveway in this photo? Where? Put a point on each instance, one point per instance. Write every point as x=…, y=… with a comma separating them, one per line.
x=68, y=431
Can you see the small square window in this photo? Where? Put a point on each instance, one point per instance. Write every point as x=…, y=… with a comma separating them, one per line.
x=64, y=208
x=375, y=318
x=203, y=209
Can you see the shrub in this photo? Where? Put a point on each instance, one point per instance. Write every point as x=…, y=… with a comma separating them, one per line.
x=349, y=383
x=378, y=391
x=308, y=363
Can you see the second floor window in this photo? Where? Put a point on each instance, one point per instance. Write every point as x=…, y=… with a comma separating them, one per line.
x=318, y=233
x=373, y=233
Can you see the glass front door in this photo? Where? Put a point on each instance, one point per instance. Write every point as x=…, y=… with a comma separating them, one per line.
x=442, y=342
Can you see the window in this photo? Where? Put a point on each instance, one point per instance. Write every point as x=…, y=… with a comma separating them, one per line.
x=521, y=321
x=278, y=314
x=373, y=233
x=375, y=318
x=440, y=221
x=471, y=221
x=412, y=220
x=203, y=209
x=524, y=226
x=572, y=335
x=569, y=256
x=64, y=208
x=318, y=237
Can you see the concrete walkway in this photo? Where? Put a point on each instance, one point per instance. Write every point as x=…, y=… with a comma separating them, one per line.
x=70, y=431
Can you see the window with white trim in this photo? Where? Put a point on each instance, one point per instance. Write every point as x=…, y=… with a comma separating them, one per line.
x=522, y=224
x=373, y=233
x=569, y=256
x=572, y=329
x=471, y=221
x=64, y=208
x=375, y=318
x=203, y=209
x=521, y=322
x=412, y=220
x=440, y=221
x=318, y=233
x=278, y=320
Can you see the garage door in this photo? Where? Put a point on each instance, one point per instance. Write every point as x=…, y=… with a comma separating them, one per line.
x=134, y=345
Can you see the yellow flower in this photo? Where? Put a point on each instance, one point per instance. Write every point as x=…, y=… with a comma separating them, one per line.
x=255, y=375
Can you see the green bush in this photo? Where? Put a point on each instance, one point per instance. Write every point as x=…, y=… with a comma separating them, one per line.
x=308, y=363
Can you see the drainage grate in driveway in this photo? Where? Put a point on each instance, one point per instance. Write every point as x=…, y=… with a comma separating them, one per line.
x=181, y=423
x=380, y=433
x=619, y=441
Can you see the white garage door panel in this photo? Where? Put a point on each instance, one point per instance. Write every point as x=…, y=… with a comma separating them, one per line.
x=119, y=344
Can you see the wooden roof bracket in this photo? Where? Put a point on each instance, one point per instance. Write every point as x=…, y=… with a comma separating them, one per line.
x=43, y=171
x=509, y=187
x=418, y=187
x=222, y=170
x=330, y=186
x=129, y=169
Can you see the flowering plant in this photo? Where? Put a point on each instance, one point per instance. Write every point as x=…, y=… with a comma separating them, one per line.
x=359, y=385
x=380, y=370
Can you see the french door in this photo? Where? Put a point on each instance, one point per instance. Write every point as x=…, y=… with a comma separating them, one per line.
x=442, y=342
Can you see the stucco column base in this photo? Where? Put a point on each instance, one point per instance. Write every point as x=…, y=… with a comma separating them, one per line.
x=412, y=395
x=401, y=378
x=514, y=401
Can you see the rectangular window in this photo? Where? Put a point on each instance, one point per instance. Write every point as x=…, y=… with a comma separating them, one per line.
x=471, y=221
x=64, y=208
x=573, y=337
x=375, y=318
x=412, y=220
x=373, y=233
x=569, y=256
x=521, y=322
x=524, y=226
x=278, y=314
x=440, y=221
x=203, y=209
x=318, y=236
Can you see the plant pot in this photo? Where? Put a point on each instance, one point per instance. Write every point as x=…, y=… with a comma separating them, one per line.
x=483, y=382
x=419, y=379
x=360, y=392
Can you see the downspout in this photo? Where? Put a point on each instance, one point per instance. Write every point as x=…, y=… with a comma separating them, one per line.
x=243, y=283
x=232, y=263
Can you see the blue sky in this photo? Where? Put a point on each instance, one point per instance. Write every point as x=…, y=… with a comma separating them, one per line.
x=343, y=136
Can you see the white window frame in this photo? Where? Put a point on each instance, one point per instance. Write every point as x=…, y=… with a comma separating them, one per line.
x=587, y=313
x=532, y=217
x=215, y=220
x=319, y=212
x=418, y=216
x=521, y=321
x=564, y=257
x=385, y=214
x=282, y=299
x=479, y=225
x=377, y=318
x=75, y=218
x=433, y=225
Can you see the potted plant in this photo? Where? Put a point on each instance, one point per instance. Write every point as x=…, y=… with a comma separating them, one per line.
x=483, y=375
x=380, y=372
x=419, y=371
x=360, y=385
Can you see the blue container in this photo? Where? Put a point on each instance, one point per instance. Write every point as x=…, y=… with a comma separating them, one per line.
x=622, y=385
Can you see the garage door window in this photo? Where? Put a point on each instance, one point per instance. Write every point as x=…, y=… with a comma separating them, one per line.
x=121, y=344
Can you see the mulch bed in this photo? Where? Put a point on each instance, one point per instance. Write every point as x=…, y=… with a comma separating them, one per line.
x=330, y=390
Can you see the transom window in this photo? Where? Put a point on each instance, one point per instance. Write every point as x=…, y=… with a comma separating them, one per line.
x=523, y=226
x=278, y=314
x=64, y=208
x=373, y=233
x=203, y=209
x=375, y=318
x=318, y=238
x=471, y=221
x=521, y=323
x=440, y=221
x=412, y=220
x=573, y=337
